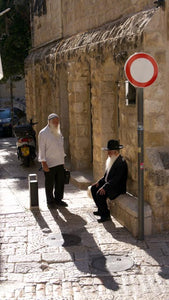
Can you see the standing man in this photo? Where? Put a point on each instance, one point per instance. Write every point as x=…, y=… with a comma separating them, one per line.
x=113, y=183
x=51, y=156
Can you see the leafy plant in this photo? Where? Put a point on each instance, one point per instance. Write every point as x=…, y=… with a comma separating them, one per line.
x=15, y=37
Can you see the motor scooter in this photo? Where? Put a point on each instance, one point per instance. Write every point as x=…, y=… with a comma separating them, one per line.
x=26, y=142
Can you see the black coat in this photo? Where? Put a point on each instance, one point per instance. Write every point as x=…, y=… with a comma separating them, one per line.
x=116, y=180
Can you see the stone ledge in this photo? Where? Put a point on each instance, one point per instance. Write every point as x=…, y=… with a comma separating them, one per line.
x=125, y=209
x=81, y=179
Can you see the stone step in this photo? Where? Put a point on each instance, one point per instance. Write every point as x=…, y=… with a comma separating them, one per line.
x=125, y=210
x=81, y=179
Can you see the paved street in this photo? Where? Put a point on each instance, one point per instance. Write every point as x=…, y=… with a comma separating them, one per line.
x=65, y=254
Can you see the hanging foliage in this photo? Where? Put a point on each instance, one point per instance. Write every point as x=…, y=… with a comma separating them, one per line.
x=15, y=37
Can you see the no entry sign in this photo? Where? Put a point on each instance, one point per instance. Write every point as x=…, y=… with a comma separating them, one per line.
x=141, y=69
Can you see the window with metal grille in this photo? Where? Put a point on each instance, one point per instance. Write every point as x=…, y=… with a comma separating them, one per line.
x=130, y=93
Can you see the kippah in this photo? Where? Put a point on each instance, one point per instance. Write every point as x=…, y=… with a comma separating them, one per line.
x=52, y=116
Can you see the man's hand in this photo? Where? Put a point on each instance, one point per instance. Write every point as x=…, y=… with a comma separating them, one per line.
x=96, y=184
x=101, y=191
x=45, y=166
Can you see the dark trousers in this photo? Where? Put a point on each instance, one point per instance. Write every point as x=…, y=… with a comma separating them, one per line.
x=100, y=201
x=54, y=182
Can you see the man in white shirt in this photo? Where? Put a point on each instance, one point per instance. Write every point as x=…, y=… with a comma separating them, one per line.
x=51, y=156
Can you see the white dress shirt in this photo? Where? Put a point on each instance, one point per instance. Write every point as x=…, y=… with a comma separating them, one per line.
x=51, y=149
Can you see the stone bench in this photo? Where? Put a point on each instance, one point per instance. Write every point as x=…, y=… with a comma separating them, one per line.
x=125, y=209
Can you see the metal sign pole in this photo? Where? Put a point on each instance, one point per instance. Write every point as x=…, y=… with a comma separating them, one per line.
x=141, y=70
x=140, y=110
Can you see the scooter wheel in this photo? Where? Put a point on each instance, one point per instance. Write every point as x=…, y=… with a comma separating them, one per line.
x=26, y=161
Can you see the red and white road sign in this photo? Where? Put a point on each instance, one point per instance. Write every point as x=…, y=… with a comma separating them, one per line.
x=141, y=69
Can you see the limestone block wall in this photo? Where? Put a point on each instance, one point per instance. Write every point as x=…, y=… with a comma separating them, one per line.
x=30, y=91
x=47, y=26
x=63, y=18
x=156, y=96
x=167, y=68
x=104, y=110
x=157, y=191
x=79, y=115
x=64, y=106
x=81, y=15
x=128, y=136
x=42, y=88
x=18, y=89
x=156, y=116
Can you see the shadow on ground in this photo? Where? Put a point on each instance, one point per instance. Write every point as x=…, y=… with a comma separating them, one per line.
x=70, y=223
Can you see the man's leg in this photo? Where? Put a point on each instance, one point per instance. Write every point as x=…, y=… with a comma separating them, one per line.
x=99, y=201
x=102, y=205
x=59, y=184
x=94, y=190
x=49, y=183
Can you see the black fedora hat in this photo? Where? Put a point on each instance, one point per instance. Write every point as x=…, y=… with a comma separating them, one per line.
x=113, y=145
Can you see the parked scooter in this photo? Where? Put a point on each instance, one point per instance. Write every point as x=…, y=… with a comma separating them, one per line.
x=26, y=142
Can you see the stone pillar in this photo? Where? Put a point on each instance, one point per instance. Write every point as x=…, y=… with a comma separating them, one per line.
x=155, y=96
x=64, y=107
x=79, y=116
x=156, y=124
x=104, y=110
x=128, y=134
x=30, y=89
x=42, y=89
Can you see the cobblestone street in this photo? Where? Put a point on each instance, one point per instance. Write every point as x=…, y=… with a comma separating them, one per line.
x=64, y=253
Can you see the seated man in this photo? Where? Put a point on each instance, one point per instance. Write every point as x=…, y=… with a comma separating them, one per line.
x=113, y=183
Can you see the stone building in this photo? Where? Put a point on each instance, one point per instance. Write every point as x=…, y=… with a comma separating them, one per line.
x=18, y=91
x=76, y=68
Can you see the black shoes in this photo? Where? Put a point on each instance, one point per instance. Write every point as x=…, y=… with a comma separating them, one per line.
x=104, y=219
x=61, y=203
x=53, y=204
x=96, y=213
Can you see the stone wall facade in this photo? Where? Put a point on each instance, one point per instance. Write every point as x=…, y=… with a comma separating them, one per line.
x=81, y=77
x=55, y=19
x=18, y=88
x=46, y=21
x=80, y=16
x=156, y=118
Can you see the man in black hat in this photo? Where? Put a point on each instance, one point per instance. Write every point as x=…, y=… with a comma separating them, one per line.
x=113, y=183
x=51, y=156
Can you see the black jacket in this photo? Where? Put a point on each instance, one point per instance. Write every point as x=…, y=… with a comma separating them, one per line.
x=116, y=180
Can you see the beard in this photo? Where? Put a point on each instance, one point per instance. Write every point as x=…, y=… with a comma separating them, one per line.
x=55, y=130
x=109, y=162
